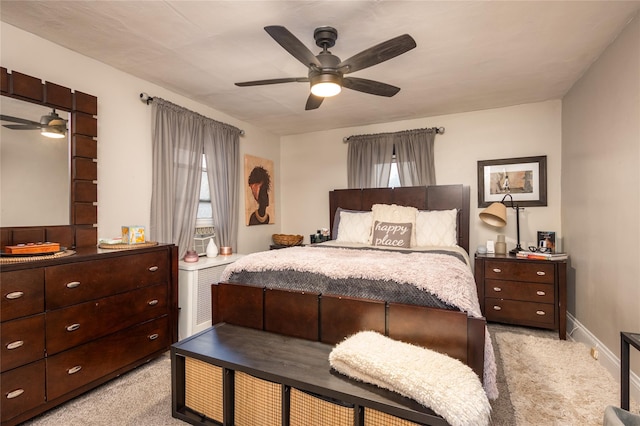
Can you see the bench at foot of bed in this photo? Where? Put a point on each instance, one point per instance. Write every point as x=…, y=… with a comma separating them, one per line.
x=231, y=375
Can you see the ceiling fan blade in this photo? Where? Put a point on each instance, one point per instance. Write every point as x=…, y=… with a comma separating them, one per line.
x=370, y=86
x=22, y=126
x=378, y=53
x=313, y=102
x=292, y=45
x=19, y=120
x=274, y=81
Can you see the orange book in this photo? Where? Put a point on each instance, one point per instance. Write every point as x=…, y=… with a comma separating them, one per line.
x=32, y=248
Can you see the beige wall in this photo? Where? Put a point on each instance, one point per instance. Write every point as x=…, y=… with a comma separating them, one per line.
x=601, y=191
x=124, y=130
x=312, y=164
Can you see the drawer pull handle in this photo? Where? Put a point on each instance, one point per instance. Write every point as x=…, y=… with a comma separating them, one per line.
x=15, y=393
x=153, y=302
x=73, y=284
x=154, y=336
x=497, y=270
x=73, y=327
x=542, y=274
x=74, y=370
x=541, y=313
x=497, y=308
x=15, y=345
x=497, y=289
x=540, y=293
x=15, y=295
x=153, y=268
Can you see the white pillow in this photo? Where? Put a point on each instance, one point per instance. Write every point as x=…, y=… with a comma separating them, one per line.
x=437, y=228
x=395, y=214
x=354, y=227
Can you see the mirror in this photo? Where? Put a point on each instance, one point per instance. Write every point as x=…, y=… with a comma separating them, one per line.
x=34, y=170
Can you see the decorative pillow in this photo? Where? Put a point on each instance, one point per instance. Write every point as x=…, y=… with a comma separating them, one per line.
x=437, y=228
x=336, y=219
x=395, y=214
x=354, y=227
x=388, y=234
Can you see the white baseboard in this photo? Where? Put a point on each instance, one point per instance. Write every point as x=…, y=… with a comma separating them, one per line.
x=606, y=358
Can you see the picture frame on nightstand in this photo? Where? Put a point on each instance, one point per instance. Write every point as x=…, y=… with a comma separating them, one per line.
x=547, y=239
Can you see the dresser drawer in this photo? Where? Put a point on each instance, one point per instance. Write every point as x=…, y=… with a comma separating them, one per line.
x=87, y=321
x=22, y=389
x=22, y=341
x=67, y=285
x=22, y=293
x=520, y=271
x=517, y=290
x=79, y=366
x=525, y=313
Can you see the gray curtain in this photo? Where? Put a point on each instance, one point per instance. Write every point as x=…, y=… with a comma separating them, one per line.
x=179, y=138
x=369, y=161
x=370, y=156
x=414, y=157
x=222, y=154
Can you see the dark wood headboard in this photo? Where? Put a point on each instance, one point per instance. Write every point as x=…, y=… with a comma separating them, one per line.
x=436, y=197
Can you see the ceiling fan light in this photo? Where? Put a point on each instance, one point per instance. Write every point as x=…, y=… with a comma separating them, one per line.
x=325, y=84
x=326, y=90
x=52, y=132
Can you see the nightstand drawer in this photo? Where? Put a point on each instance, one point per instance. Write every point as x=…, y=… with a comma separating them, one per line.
x=526, y=313
x=519, y=271
x=516, y=290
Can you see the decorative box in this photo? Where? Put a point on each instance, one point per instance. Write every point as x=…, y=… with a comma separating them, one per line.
x=133, y=234
x=201, y=238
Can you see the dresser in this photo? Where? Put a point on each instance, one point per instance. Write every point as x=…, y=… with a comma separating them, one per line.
x=73, y=323
x=523, y=291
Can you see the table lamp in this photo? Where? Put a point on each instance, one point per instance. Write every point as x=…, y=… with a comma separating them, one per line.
x=496, y=215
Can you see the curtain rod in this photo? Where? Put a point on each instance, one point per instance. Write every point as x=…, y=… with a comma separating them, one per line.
x=148, y=99
x=438, y=130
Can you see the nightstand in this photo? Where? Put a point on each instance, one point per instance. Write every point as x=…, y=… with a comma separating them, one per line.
x=523, y=291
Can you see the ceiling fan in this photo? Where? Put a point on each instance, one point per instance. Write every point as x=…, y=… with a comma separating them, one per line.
x=326, y=71
x=50, y=125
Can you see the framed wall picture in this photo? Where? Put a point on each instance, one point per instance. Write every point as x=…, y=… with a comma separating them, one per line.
x=259, y=191
x=525, y=178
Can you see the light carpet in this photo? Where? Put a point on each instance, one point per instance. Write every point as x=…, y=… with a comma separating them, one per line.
x=542, y=381
x=555, y=382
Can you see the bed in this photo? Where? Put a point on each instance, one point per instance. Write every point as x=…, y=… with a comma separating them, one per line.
x=310, y=292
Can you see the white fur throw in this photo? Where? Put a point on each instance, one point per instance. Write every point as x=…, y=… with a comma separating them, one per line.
x=444, y=384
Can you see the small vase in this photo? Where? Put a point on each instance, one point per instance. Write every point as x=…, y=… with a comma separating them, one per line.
x=212, y=248
x=191, y=256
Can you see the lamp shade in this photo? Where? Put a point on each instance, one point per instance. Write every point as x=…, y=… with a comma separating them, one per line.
x=495, y=215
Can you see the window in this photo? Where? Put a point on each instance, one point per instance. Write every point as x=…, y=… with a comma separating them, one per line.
x=394, y=178
x=204, y=202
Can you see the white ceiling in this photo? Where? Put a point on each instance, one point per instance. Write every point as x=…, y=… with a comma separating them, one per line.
x=470, y=55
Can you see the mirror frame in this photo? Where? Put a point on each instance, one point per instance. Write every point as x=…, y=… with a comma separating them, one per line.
x=82, y=230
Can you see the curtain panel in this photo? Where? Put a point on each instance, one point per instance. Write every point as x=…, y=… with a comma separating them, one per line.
x=179, y=138
x=370, y=156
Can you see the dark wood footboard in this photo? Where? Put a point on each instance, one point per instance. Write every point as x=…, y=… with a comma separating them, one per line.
x=329, y=319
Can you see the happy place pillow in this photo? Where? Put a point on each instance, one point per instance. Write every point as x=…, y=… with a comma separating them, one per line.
x=354, y=227
x=388, y=234
x=393, y=213
x=437, y=228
